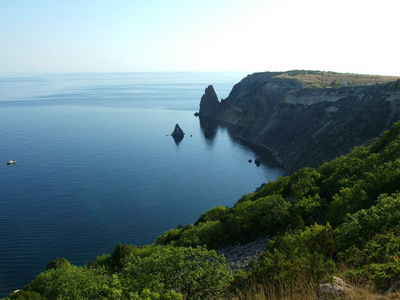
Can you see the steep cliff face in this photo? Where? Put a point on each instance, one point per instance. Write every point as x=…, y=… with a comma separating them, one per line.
x=209, y=104
x=305, y=121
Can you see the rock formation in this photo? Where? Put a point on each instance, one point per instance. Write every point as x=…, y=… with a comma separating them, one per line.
x=336, y=289
x=307, y=117
x=178, y=132
x=209, y=104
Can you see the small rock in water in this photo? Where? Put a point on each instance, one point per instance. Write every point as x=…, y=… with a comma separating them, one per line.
x=178, y=132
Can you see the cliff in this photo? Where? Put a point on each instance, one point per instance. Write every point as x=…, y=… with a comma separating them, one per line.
x=307, y=117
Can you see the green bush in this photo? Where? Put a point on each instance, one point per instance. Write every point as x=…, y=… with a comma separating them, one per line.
x=214, y=214
x=304, y=183
x=121, y=254
x=268, y=189
x=310, y=206
x=208, y=234
x=360, y=227
x=25, y=295
x=382, y=276
x=170, y=236
x=249, y=220
x=58, y=263
x=306, y=255
x=348, y=201
x=195, y=273
x=75, y=283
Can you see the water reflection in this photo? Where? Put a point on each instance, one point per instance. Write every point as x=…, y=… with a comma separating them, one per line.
x=177, y=139
x=210, y=127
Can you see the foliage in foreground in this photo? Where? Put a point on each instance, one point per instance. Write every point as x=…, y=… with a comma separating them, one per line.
x=354, y=195
x=150, y=272
x=342, y=218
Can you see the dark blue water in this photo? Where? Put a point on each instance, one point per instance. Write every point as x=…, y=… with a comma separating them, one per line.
x=97, y=165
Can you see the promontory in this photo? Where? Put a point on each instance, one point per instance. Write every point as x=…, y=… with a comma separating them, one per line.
x=307, y=117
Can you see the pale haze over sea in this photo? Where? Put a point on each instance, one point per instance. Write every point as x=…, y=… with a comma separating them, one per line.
x=355, y=36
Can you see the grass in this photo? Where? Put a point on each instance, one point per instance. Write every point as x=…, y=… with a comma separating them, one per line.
x=320, y=79
x=304, y=289
x=309, y=292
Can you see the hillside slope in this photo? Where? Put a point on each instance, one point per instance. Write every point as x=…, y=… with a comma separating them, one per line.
x=307, y=117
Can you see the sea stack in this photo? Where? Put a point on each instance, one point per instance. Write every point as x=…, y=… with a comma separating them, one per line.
x=178, y=132
x=209, y=104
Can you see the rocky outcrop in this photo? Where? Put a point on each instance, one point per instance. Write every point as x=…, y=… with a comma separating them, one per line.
x=209, y=104
x=178, y=132
x=304, y=119
x=338, y=288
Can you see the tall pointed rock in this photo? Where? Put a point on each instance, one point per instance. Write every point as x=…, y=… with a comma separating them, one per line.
x=209, y=104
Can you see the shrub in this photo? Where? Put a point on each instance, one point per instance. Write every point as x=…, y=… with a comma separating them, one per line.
x=213, y=214
x=208, y=234
x=195, y=273
x=58, y=263
x=25, y=295
x=75, y=283
x=302, y=255
x=360, y=227
x=249, y=220
x=121, y=254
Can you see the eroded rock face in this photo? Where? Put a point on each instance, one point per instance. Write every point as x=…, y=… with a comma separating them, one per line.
x=209, y=104
x=305, y=126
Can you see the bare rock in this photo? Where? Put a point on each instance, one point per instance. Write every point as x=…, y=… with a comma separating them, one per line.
x=338, y=288
x=240, y=256
x=178, y=132
x=209, y=104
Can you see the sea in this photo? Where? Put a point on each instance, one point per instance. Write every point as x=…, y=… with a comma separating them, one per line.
x=97, y=165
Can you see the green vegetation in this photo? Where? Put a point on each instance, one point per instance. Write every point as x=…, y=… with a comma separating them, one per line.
x=342, y=218
x=320, y=79
x=150, y=272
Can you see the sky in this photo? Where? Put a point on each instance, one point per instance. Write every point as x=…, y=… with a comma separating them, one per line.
x=354, y=36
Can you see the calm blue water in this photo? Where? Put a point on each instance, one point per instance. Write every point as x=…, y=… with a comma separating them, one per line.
x=98, y=166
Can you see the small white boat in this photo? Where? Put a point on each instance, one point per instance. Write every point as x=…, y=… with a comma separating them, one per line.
x=12, y=162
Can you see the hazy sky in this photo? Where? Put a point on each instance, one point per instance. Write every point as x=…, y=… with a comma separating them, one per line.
x=356, y=36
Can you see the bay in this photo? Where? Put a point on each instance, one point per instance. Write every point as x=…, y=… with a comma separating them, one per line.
x=97, y=165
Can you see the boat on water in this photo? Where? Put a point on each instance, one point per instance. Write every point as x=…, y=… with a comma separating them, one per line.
x=12, y=162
